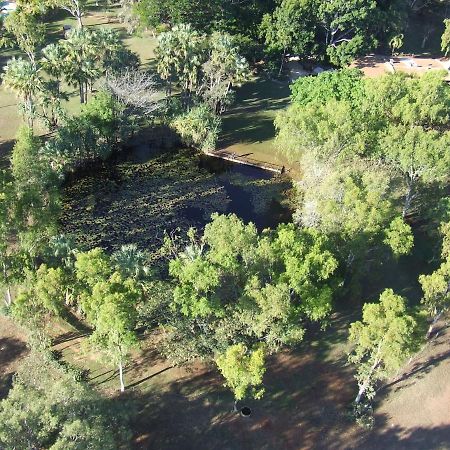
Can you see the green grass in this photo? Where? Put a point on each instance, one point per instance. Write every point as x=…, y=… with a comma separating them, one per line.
x=248, y=127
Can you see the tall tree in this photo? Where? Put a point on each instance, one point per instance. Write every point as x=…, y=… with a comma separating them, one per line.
x=224, y=68
x=179, y=58
x=27, y=31
x=290, y=28
x=436, y=286
x=76, y=8
x=243, y=371
x=23, y=77
x=112, y=312
x=383, y=341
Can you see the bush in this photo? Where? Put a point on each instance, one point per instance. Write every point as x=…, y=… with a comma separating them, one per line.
x=198, y=128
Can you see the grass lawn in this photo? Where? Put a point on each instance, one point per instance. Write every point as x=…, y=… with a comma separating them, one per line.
x=248, y=127
x=10, y=120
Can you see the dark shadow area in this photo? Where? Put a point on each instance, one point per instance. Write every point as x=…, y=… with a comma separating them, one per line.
x=149, y=377
x=398, y=438
x=11, y=350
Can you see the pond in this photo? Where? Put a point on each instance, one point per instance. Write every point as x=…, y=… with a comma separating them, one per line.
x=141, y=193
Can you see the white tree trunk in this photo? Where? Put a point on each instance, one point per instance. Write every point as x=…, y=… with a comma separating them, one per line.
x=122, y=385
x=8, y=296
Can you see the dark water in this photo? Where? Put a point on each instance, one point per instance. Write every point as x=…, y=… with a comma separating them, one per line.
x=142, y=193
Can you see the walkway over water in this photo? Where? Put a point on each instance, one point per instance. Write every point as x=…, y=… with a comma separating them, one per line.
x=246, y=160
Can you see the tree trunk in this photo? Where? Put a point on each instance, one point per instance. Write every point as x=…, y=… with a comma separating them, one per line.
x=8, y=296
x=79, y=19
x=81, y=92
x=122, y=385
x=436, y=317
x=235, y=408
x=282, y=63
x=409, y=197
x=365, y=385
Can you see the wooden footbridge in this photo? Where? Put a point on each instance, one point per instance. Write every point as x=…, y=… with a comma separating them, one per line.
x=245, y=160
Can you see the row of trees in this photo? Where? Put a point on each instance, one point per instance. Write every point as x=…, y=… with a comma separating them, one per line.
x=334, y=31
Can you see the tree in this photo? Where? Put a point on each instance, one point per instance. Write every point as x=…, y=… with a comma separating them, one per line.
x=224, y=69
x=420, y=155
x=28, y=33
x=199, y=128
x=36, y=195
x=346, y=28
x=131, y=262
x=383, y=341
x=23, y=77
x=399, y=237
x=234, y=284
x=396, y=43
x=136, y=89
x=243, y=371
x=290, y=28
x=445, y=39
x=76, y=8
x=52, y=289
x=179, y=57
x=341, y=85
x=436, y=286
x=111, y=309
x=47, y=408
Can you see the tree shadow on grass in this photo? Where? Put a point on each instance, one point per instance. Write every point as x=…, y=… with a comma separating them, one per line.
x=400, y=438
x=251, y=118
x=305, y=407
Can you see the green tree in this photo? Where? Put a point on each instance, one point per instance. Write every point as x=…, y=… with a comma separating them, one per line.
x=396, y=42
x=131, y=262
x=290, y=28
x=198, y=128
x=436, y=286
x=36, y=203
x=243, y=371
x=111, y=309
x=383, y=341
x=234, y=284
x=420, y=155
x=445, y=39
x=179, y=56
x=76, y=8
x=27, y=31
x=224, y=69
x=23, y=78
x=399, y=237
x=51, y=289
x=47, y=408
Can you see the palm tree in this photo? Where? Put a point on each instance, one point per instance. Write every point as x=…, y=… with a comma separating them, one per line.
x=80, y=62
x=180, y=54
x=131, y=262
x=23, y=78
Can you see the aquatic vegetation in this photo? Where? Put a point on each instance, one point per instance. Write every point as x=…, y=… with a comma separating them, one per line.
x=127, y=202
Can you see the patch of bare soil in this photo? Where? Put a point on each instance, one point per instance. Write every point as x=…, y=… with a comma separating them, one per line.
x=306, y=405
x=414, y=409
x=13, y=349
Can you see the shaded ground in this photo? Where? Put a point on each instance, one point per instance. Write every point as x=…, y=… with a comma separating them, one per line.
x=12, y=349
x=248, y=127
